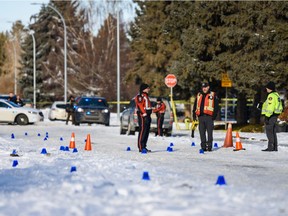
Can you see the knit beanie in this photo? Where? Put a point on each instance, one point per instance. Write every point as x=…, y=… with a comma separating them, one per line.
x=143, y=86
x=271, y=86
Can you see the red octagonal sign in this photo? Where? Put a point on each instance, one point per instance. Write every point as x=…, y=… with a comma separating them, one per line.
x=170, y=80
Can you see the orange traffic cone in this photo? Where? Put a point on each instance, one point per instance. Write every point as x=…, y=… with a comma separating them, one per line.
x=238, y=143
x=72, y=141
x=228, y=140
x=88, y=146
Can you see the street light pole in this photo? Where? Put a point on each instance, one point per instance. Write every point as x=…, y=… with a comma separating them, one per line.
x=34, y=69
x=118, y=65
x=65, y=49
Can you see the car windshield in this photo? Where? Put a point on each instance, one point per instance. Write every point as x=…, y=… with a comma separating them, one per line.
x=92, y=102
x=12, y=104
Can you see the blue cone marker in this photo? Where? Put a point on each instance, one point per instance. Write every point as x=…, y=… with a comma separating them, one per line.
x=221, y=180
x=143, y=151
x=146, y=176
x=15, y=163
x=73, y=169
x=44, y=151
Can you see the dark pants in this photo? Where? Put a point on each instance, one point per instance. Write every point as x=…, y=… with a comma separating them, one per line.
x=160, y=120
x=68, y=117
x=206, y=125
x=144, y=129
x=270, y=124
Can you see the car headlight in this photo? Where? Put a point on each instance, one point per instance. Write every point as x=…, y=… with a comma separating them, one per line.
x=105, y=111
x=80, y=109
x=33, y=112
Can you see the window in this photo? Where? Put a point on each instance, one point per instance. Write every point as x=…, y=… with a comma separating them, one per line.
x=4, y=105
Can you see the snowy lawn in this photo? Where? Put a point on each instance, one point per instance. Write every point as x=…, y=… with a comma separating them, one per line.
x=108, y=179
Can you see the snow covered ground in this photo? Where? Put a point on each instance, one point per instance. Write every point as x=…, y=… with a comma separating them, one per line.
x=108, y=179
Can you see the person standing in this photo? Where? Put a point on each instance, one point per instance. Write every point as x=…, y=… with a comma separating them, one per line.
x=70, y=110
x=206, y=107
x=12, y=97
x=19, y=101
x=144, y=110
x=160, y=112
x=271, y=108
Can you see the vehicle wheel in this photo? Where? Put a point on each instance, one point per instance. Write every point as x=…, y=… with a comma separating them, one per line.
x=122, y=130
x=129, y=131
x=22, y=119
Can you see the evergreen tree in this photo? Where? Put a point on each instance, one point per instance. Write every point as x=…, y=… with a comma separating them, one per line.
x=3, y=55
x=152, y=48
x=247, y=40
x=49, y=34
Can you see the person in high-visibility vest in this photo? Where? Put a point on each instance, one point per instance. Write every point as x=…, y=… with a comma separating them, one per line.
x=206, y=108
x=271, y=108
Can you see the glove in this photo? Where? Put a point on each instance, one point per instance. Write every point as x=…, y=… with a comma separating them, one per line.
x=144, y=114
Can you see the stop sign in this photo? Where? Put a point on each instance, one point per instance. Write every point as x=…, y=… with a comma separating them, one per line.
x=170, y=80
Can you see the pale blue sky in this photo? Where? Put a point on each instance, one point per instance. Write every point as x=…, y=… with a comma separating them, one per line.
x=13, y=10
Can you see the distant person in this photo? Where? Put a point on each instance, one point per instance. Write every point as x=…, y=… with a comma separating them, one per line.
x=206, y=108
x=12, y=97
x=144, y=110
x=19, y=101
x=271, y=108
x=70, y=110
x=160, y=113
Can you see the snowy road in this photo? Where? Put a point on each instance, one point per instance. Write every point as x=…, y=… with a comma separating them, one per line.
x=108, y=180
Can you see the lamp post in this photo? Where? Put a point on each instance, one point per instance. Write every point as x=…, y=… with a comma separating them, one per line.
x=65, y=49
x=118, y=65
x=34, y=68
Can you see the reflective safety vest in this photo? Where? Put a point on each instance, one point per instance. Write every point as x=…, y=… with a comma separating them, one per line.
x=143, y=103
x=272, y=105
x=208, y=104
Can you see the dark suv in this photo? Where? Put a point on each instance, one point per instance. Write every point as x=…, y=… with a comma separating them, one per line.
x=129, y=120
x=92, y=110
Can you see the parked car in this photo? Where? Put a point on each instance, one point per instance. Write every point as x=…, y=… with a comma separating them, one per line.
x=129, y=120
x=4, y=97
x=92, y=110
x=12, y=113
x=58, y=111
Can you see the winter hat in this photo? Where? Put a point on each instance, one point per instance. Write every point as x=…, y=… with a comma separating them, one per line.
x=159, y=99
x=143, y=86
x=271, y=86
x=205, y=84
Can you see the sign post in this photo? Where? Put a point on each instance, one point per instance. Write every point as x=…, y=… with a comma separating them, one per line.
x=226, y=82
x=171, y=81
